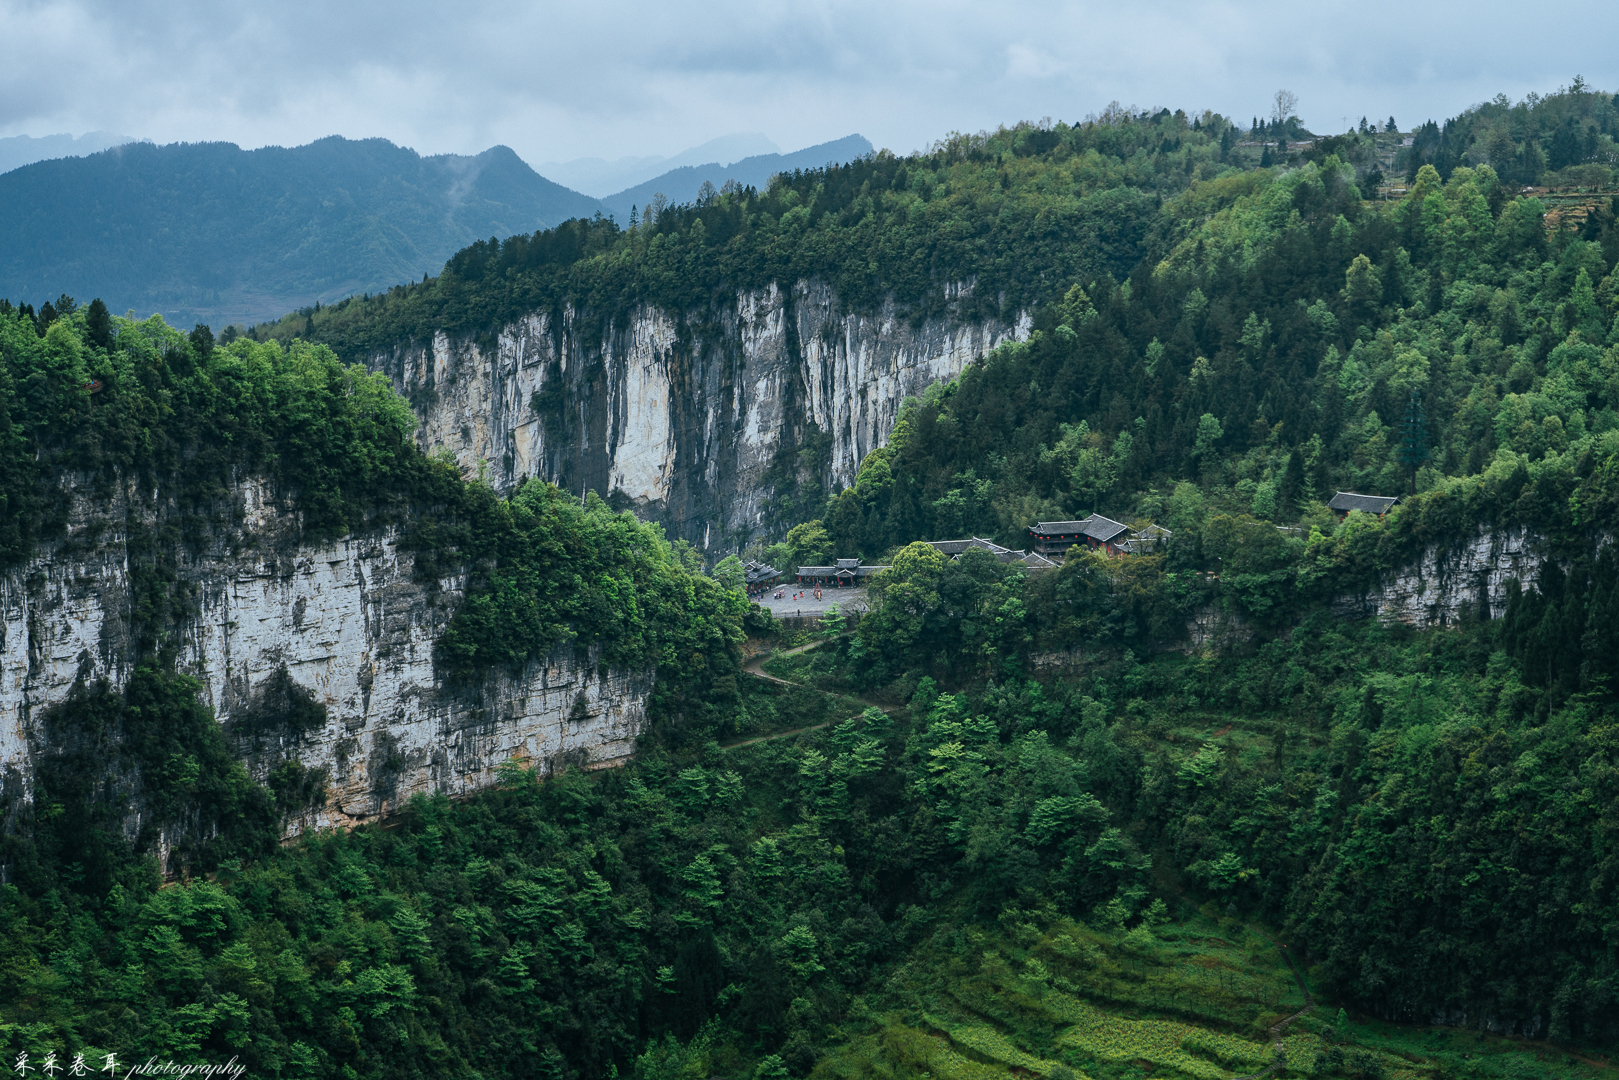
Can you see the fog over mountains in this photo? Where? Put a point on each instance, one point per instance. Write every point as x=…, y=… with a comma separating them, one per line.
x=19, y=150
x=599, y=177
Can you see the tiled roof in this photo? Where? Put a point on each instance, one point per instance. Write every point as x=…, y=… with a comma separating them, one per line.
x=1103, y=529
x=1096, y=527
x=954, y=548
x=1346, y=501
x=844, y=568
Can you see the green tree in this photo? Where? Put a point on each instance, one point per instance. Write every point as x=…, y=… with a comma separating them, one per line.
x=808, y=544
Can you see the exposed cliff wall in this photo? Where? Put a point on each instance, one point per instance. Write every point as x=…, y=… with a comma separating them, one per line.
x=1450, y=579
x=1445, y=583
x=683, y=415
x=346, y=624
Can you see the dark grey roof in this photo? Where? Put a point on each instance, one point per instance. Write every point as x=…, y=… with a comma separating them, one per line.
x=1103, y=529
x=955, y=548
x=1096, y=527
x=1346, y=501
x=845, y=568
x=754, y=572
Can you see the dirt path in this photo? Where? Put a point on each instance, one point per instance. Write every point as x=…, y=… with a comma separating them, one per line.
x=1278, y=1030
x=755, y=667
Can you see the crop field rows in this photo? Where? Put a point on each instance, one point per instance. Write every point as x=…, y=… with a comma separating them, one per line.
x=1189, y=1000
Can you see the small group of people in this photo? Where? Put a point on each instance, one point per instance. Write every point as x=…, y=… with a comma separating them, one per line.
x=781, y=594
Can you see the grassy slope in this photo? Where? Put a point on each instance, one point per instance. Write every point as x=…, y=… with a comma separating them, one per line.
x=1049, y=996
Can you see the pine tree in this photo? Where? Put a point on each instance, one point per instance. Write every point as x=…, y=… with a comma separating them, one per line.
x=98, y=324
x=1414, y=436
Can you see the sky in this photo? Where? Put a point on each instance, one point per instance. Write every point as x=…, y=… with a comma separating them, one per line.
x=651, y=77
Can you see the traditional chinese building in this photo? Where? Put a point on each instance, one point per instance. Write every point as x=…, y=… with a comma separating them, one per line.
x=758, y=575
x=845, y=574
x=1096, y=533
x=954, y=549
x=1376, y=505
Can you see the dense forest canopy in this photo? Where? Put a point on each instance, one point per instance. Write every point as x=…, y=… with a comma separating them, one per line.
x=1022, y=213
x=156, y=430
x=1299, y=342
x=1007, y=824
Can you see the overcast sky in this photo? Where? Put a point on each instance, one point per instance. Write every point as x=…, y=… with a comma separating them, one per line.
x=618, y=77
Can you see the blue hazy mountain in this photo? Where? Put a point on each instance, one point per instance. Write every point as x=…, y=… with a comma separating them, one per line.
x=601, y=176
x=19, y=150
x=211, y=232
x=682, y=184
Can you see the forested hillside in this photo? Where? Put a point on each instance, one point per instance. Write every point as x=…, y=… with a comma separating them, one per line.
x=1006, y=825
x=1299, y=342
x=211, y=232
x=1020, y=212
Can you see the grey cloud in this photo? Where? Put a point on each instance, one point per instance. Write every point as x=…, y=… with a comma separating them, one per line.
x=558, y=81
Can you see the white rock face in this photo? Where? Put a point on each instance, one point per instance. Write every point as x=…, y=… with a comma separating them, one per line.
x=681, y=414
x=347, y=621
x=1438, y=587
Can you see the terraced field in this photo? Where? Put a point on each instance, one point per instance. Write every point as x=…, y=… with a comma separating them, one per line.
x=1067, y=1001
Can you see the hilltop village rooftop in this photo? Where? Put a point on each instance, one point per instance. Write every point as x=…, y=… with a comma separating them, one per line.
x=1376, y=505
x=1097, y=533
x=852, y=573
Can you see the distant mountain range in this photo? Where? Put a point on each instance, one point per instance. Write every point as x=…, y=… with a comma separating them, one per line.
x=209, y=232
x=681, y=185
x=600, y=178
x=19, y=150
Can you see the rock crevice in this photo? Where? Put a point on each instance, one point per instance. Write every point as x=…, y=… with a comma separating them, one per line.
x=683, y=415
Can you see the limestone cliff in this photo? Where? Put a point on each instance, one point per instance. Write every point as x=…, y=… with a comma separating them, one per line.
x=1446, y=582
x=346, y=624
x=683, y=415
x=1449, y=579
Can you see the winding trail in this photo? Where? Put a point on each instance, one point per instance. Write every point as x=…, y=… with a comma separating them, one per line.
x=755, y=667
x=1278, y=1030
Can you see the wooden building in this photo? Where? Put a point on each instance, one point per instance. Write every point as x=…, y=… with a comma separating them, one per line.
x=760, y=575
x=1095, y=532
x=845, y=574
x=1376, y=505
x=954, y=549
x=1052, y=539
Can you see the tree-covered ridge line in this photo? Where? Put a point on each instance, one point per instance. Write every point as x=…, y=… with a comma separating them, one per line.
x=1298, y=343
x=1021, y=212
x=1014, y=211
x=103, y=400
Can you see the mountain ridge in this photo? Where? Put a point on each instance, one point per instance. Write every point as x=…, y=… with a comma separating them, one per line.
x=682, y=185
x=245, y=234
